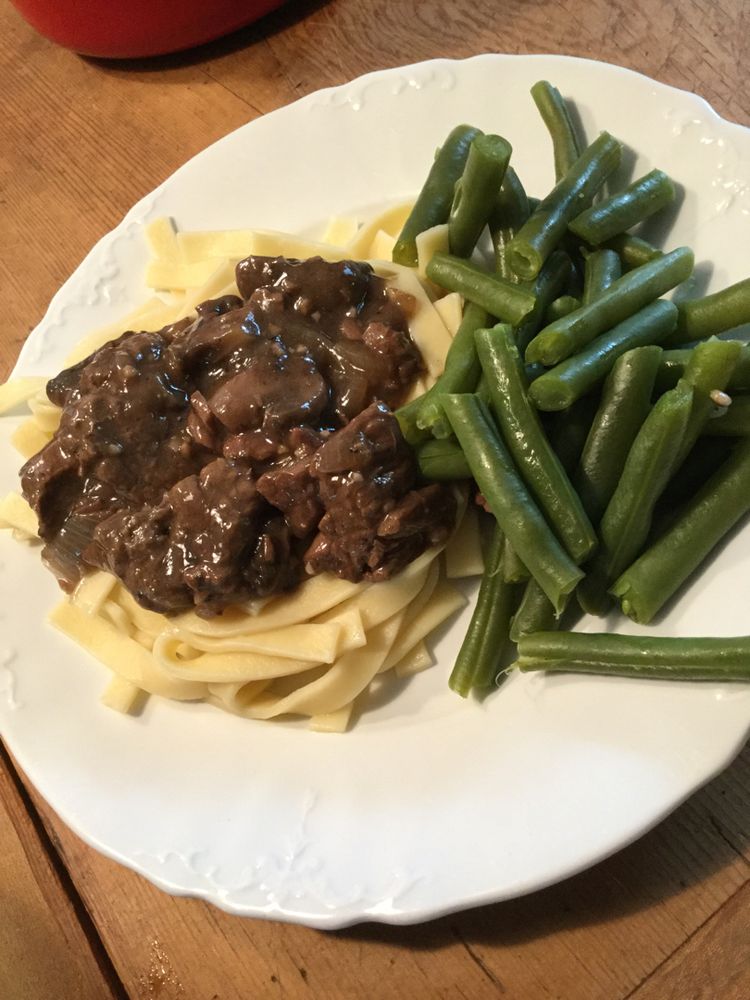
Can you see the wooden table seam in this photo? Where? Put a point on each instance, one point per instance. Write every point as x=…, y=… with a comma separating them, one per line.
x=57, y=861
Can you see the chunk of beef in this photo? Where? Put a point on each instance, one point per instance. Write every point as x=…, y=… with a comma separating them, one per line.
x=308, y=286
x=397, y=355
x=293, y=490
x=250, y=446
x=122, y=416
x=51, y=483
x=365, y=473
x=421, y=512
x=190, y=548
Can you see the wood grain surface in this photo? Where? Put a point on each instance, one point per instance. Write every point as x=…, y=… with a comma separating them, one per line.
x=83, y=139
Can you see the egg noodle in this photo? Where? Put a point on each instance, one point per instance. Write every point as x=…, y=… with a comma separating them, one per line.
x=316, y=651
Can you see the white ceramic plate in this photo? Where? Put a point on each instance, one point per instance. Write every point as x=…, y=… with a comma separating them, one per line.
x=430, y=804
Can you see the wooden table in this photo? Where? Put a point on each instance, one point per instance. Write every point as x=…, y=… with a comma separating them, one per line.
x=81, y=141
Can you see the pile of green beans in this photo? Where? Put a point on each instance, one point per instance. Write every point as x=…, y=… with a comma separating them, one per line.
x=596, y=418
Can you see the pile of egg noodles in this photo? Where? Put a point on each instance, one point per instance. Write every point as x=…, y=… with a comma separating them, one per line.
x=317, y=651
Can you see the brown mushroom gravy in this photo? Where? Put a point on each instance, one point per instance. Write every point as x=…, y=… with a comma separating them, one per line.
x=225, y=457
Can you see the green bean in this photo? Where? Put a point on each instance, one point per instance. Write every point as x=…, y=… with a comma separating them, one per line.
x=649, y=657
x=633, y=251
x=625, y=209
x=559, y=387
x=651, y=580
x=433, y=204
x=623, y=298
x=442, y=461
x=673, y=364
x=562, y=306
x=538, y=237
x=407, y=421
x=626, y=522
x=724, y=310
x=508, y=302
x=525, y=438
x=568, y=431
x=709, y=369
x=730, y=421
x=514, y=570
x=509, y=500
x=602, y=268
x=534, y=614
x=478, y=660
x=625, y=403
x=476, y=192
x=548, y=285
x=483, y=390
x=461, y=372
x=707, y=455
x=511, y=211
x=555, y=115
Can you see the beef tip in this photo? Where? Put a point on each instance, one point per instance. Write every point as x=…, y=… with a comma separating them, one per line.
x=303, y=441
x=120, y=417
x=421, y=512
x=401, y=359
x=371, y=444
x=65, y=386
x=135, y=545
x=293, y=490
x=249, y=446
x=365, y=471
x=258, y=272
x=51, y=483
x=191, y=547
x=309, y=286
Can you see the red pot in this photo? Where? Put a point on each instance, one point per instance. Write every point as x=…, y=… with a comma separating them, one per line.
x=129, y=28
